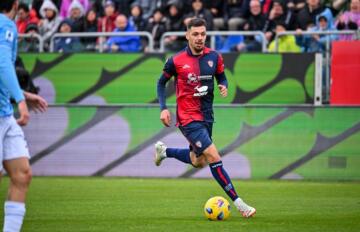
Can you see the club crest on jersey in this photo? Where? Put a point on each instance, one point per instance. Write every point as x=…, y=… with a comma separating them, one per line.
x=210, y=63
x=192, y=78
x=198, y=144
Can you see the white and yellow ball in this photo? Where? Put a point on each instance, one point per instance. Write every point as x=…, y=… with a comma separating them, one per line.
x=217, y=209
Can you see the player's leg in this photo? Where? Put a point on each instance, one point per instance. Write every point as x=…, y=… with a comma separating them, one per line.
x=220, y=175
x=185, y=155
x=16, y=163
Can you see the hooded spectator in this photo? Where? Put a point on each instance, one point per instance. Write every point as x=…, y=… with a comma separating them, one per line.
x=65, y=7
x=50, y=22
x=76, y=15
x=66, y=44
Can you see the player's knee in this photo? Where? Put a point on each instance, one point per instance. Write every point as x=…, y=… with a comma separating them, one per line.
x=22, y=178
x=200, y=164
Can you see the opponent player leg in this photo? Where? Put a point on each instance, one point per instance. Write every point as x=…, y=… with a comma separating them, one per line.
x=19, y=172
x=16, y=163
x=220, y=175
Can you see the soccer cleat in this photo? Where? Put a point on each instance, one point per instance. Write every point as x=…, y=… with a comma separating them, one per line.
x=160, y=153
x=249, y=212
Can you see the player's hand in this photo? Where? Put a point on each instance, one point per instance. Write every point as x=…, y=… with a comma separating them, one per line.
x=223, y=90
x=24, y=114
x=35, y=102
x=165, y=117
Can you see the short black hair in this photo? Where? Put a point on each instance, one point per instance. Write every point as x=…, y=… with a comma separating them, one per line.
x=6, y=5
x=196, y=22
x=24, y=7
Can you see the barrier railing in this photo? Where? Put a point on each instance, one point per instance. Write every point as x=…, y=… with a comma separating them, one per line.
x=212, y=35
x=34, y=35
x=102, y=35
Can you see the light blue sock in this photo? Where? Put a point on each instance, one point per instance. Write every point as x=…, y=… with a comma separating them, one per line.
x=14, y=215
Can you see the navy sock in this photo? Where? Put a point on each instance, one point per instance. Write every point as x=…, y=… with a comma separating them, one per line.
x=223, y=179
x=180, y=154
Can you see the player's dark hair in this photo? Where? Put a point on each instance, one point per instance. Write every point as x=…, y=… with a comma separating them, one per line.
x=6, y=5
x=196, y=22
x=24, y=7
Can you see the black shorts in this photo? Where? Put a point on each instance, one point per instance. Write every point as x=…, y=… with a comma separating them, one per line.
x=198, y=133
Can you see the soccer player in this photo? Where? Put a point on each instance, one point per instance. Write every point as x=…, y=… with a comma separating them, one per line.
x=14, y=154
x=194, y=69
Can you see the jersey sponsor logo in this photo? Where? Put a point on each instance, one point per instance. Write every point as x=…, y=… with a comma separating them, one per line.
x=210, y=63
x=192, y=78
x=186, y=66
x=201, y=91
x=9, y=36
x=205, y=77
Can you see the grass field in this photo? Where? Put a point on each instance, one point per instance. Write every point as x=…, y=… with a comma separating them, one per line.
x=117, y=204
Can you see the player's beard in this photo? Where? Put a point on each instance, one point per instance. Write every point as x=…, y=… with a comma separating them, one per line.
x=199, y=48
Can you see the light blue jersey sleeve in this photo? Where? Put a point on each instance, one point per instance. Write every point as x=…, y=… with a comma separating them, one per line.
x=8, y=45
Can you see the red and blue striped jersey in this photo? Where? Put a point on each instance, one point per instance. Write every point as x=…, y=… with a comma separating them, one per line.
x=194, y=83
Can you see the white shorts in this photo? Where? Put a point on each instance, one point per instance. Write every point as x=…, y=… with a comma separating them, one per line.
x=12, y=140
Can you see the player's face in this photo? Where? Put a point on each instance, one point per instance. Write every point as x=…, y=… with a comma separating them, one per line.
x=196, y=37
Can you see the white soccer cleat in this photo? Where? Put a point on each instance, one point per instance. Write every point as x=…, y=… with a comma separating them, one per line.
x=246, y=210
x=249, y=212
x=160, y=153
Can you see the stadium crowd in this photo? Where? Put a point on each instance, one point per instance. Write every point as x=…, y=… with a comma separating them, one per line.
x=47, y=17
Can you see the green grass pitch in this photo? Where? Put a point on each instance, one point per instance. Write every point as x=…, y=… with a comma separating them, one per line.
x=119, y=204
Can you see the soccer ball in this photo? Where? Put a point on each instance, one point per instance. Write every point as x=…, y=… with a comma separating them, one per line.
x=217, y=209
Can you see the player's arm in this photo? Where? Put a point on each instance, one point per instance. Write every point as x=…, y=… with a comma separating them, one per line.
x=220, y=77
x=35, y=102
x=165, y=114
x=9, y=80
x=168, y=72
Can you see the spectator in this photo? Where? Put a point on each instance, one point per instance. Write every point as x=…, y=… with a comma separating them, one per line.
x=349, y=20
x=148, y=7
x=67, y=44
x=25, y=17
x=175, y=16
x=107, y=23
x=308, y=14
x=218, y=10
x=279, y=13
x=30, y=44
x=36, y=5
x=90, y=25
x=136, y=17
x=123, y=43
x=296, y=5
x=121, y=6
x=256, y=22
x=198, y=11
x=65, y=7
x=286, y=43
x=317, y=43
x=157, y=26
x=237, y=13
x=50, y=22
x=76, y=15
